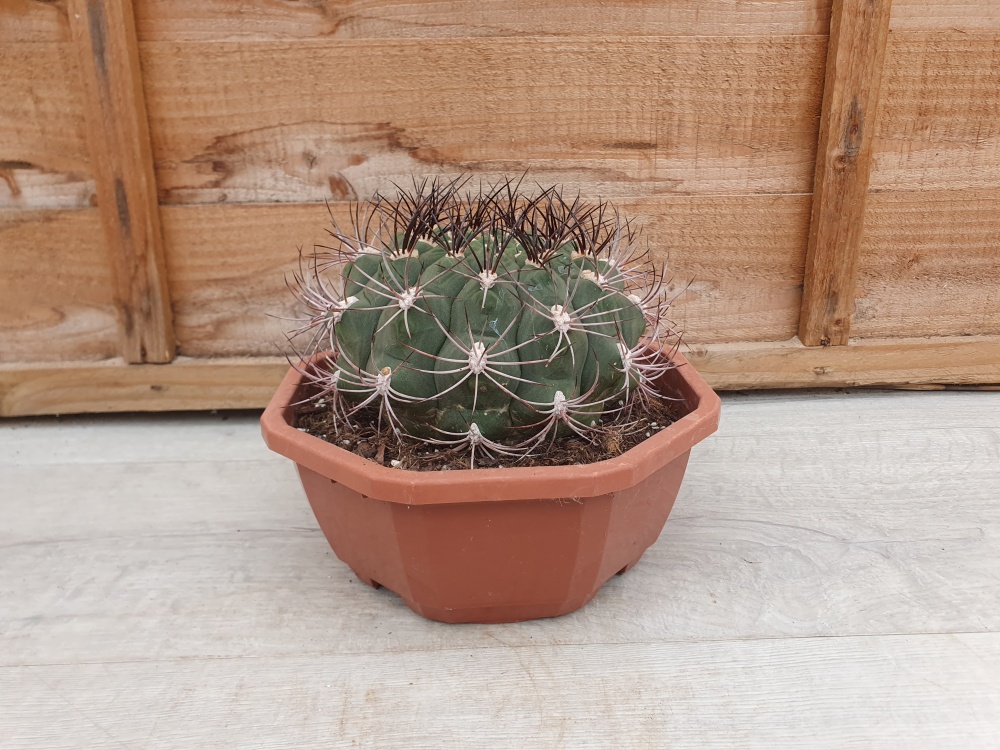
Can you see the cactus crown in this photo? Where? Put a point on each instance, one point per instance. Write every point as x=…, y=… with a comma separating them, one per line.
x=487, y=321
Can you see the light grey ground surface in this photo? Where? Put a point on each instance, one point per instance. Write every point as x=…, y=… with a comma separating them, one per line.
x=829, y=578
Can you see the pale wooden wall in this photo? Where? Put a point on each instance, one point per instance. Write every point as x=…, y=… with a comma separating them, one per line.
x=160, y=163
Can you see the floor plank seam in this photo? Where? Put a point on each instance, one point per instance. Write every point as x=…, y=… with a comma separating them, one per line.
x=506, y=647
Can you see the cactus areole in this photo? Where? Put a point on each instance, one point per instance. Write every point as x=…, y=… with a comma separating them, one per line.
x=490, y=321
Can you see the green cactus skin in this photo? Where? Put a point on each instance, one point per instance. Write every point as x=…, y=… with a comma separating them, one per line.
x=491, y=321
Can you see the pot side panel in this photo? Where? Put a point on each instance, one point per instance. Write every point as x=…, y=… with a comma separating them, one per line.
x=500, y=560
x=359, y=529
x=638, y=516
x=494, y=561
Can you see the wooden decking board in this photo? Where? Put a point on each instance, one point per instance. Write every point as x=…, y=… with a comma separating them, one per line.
x=830, y=578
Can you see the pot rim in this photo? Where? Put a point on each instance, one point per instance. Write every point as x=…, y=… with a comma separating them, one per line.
x=576, y=481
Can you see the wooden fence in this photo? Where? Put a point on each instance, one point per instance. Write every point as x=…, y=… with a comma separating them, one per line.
x=825, y=173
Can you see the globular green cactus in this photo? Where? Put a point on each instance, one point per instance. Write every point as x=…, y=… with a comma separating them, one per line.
x=491, y=321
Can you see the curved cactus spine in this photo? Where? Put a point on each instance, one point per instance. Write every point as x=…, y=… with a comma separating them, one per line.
x=489, y=322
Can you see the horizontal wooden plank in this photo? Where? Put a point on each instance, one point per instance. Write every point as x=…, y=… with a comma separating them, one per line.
x=962, y=359
x=209, y=523
x=55, y=287
x=111, y=386
x=233, y=435
x=928, y=691
x=24, y=185
x=226, y=270
x=945, y=15
x=166, y=596
x=939, y=116
x=238, y=383
x=218, y=20
x=33, y=21
x=735, y=261
x=227, y=266
x=842, y=411
x=226, y=436
x=304, y=121
x=207, y=435
x=43, y=143
x=930, y=264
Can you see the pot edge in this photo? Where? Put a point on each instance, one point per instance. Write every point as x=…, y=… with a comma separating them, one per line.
x=482, y=485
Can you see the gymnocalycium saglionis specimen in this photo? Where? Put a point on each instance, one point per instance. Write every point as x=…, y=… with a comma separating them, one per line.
x=486, y=320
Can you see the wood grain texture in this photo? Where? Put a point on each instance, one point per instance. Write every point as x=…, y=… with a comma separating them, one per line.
x=776, y=554
x=55, y=287
x=219, y=20
x=892, y=361
x=233, y=436
x=249, y=382
x=43, y=140
x=935, y=692
x=858, y=33
x=930, y=264
x=228, y=266
x=234, y=522
x=888, y=692
x=939, y=119
x=33, y=21
x=945, y=15
x=185, y=597
x=228, y=263
x=304, y=121
x=118, y=134
x=734, y=262
x=184, y=384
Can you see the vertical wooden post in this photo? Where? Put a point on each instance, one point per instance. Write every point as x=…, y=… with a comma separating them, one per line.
x=118, y=132
x=859, y=31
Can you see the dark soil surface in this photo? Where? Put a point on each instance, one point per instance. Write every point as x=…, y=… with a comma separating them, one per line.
x=362, y=436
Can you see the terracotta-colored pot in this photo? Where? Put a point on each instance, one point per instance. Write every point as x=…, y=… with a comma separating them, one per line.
x=495, y=545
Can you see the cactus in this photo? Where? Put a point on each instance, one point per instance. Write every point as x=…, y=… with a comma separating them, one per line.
x=490, y=322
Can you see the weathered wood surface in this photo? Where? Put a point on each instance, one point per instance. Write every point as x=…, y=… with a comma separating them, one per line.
x=858, y=33
x=55, y=288
x=945, y=15
x=33, y=21
x=43, y=139
x=219, y=20
x=894, y=692
x=112, y=385
x=118, y=135
x=308, y=120
x=248, y=382
x=891, y=361
x=227, y=267
x=812, y=589
x=690, y=113
x=939, y=118
x=930, y=264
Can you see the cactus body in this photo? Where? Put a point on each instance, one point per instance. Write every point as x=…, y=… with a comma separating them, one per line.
x=487, y=322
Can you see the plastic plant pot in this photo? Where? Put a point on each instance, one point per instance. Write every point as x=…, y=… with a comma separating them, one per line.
x=495, y=545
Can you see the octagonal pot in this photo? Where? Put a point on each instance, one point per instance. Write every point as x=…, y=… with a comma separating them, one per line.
x=495, y=545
